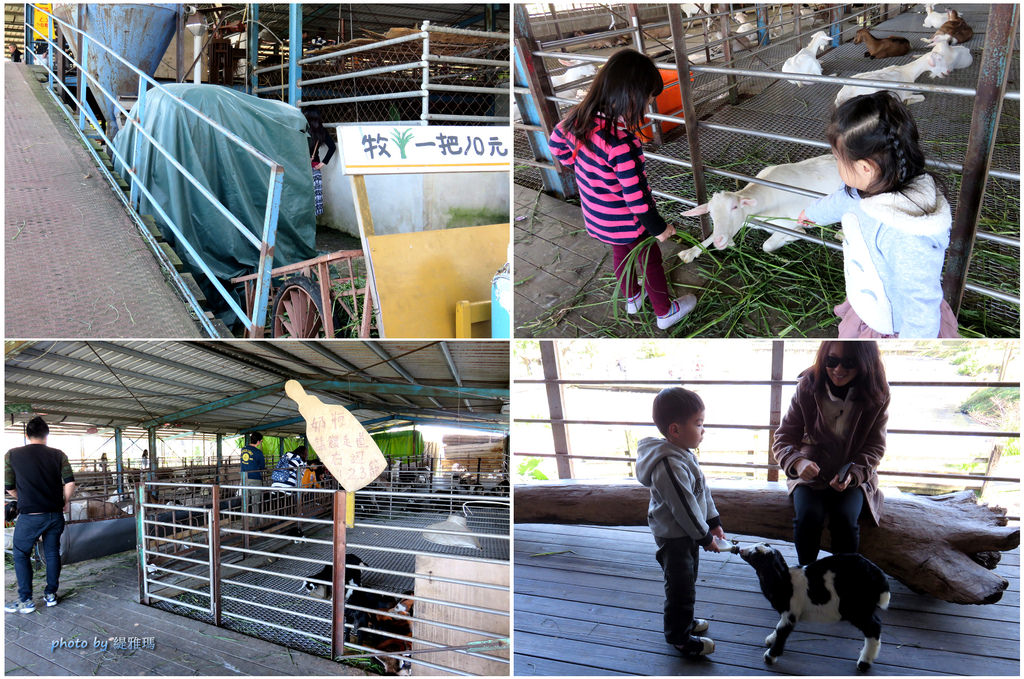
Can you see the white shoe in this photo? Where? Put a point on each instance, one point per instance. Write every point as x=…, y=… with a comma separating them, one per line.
x=680, y=307
x=636, y=302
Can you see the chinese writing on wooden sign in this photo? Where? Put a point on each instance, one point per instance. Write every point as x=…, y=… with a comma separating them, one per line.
x=401, y=149
x=339, y=440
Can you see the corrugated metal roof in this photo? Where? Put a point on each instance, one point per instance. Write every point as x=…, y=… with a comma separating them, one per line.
x=233, y=386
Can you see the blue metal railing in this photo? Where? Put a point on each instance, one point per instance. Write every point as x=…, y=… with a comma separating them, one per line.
x=254, y=324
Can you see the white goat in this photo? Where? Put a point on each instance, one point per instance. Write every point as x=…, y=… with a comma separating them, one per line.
x=575, y=70
x=933, y=19
x=690, y=9
x=730, y=209
x=806, y=60
x=956, y=57
x=933, y=62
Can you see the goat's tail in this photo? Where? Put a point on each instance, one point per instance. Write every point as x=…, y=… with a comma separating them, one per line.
x=883, y=601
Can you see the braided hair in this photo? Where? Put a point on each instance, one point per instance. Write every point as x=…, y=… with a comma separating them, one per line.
x=879, y=128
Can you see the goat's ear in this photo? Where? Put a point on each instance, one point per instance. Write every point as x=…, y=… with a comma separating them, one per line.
x=699, y=210
x=780, y=562
x=567, y=62
x=748, y=202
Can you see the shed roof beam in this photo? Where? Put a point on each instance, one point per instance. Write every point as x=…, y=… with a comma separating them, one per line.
x=26, y=372
x=454, y=371
x=226, y=350
x=396, y=366
x=331, y=356
x=329, y=385
x=117, y=348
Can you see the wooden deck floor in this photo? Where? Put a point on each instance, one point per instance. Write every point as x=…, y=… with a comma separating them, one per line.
x=588, y=601
x=98, y=601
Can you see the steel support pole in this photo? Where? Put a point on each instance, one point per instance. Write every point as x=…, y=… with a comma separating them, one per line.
x=689, y=114
x=835, y=28
x=763, y=37
x=775, y=404
x=220, y=454
x=996, y=61
x=559, y=432
x=634, y=17
x=730, y=80
x=30, y=34
x=554, y=21
x=254, y=46
x=151, y=475
x=179, y=45
x=338, y=577
x=294, y=52
x=140, y=539
x=214, y=549
x=119, y=459
x=530, y=72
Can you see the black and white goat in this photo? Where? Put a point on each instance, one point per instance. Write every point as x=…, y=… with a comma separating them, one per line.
x=353, y=578
x=841, y=587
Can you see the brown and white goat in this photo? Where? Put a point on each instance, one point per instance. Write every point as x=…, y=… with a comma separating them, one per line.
x=879, y=48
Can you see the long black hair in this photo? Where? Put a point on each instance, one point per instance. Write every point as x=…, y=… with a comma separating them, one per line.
x=317, y=130
x=870, y=379
x=878, y=127
x=620, y=92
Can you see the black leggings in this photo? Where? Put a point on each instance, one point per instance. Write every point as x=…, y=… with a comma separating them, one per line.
x=811, y=506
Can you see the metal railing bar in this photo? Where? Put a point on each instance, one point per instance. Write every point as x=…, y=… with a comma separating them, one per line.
x=496, y=120
x=177, y=602
x=277, y=626
x=469, y=61
x=186, y=574
x=468, y=88
x=312, y=541
x=327, y=522
x=276, y=608
x=412, y=37
x=362, y=74
x=177, y=557
x=492, y=35
x=605, y=423
x=760, y=383
x=161, y=583
x=367, y=97
x=201, y=545
x=264, y=588
x=276, y=555
x=427, y=529
x=374, y=652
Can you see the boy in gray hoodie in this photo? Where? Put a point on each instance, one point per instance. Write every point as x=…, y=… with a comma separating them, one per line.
x=682, y=515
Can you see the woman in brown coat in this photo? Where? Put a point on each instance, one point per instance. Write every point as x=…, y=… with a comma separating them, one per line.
x=830, y=443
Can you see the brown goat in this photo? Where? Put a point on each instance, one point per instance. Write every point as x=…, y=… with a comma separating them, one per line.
x=893, y=46
x=956, y=28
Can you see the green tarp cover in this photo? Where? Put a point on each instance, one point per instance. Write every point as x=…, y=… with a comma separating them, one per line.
x=400, y=444
x=237, y=178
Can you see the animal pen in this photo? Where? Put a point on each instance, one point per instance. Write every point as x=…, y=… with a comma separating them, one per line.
x=747, y=117
x=237, y=556
x=431, y=533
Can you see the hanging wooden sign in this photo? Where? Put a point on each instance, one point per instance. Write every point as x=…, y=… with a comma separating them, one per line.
x=341, y=443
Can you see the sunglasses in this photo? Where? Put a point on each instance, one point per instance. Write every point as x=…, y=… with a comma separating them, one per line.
x=834, y=361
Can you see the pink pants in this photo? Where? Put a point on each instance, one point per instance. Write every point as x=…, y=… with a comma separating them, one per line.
x=653, y=274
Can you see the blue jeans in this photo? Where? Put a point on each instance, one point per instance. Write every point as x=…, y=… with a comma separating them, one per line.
x=26, y=531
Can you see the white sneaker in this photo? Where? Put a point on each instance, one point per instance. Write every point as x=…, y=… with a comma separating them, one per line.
x=636, y=302
x=680, y=307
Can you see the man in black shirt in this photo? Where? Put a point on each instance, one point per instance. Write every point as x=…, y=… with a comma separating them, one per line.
x=41, y=480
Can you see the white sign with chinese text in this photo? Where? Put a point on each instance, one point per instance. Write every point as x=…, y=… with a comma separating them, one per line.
x=339, y=440
x=404, y=149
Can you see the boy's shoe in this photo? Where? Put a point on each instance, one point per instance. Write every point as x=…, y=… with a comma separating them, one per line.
x=51, y=600
x=27, y=606
x=699, y=626
x=636, y=302
x=696, y=647
x=679, y=308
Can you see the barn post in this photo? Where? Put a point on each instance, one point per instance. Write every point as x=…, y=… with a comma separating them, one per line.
x=554, y=21
x=638, y=40
x=140, y=540
x=254, y=46
x=559, y=433
x=220, y=454
x=179, y=44
x=689, y=114
x=835, y=28
x=214, y=550
x=539, y=114
x=996, y=65
x=294, y=52
x=338, y=576
x=763, y=37
x=726, y=30
x=150, y=475
x=119, y=460
x=775, y=405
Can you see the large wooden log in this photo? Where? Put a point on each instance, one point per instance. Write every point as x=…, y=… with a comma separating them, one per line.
x=943, y=546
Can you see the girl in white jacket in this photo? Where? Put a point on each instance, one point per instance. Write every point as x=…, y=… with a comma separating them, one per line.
x=896, y=223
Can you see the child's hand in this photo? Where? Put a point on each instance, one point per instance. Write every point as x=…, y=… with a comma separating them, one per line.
x=718, y=532
x=712, y=547
x=666, y=234
x=807, y=470
x=803, y=221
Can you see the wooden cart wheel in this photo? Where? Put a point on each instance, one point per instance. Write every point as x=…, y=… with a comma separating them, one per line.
x=298, y=311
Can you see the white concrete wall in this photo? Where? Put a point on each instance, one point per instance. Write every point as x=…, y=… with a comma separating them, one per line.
x=406, y=203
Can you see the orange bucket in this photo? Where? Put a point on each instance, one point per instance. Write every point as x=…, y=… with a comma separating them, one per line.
x=670, y=99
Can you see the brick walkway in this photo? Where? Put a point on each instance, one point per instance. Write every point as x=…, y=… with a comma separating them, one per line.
x=75, y=264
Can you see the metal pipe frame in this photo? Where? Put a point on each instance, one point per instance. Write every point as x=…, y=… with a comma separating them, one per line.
x=370, y=71
x=468, y=88
x=412, y=94
x=363, y=48
x=496, y=120
x=303, y=633
x=470, y=61
x=270, y=214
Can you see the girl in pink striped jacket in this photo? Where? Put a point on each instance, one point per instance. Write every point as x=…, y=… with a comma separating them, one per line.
x=598, y=139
